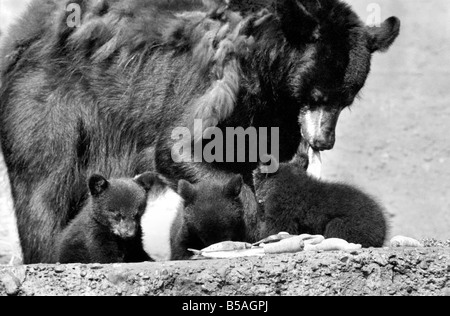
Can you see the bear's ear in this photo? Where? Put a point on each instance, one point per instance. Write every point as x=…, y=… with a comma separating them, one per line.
x=234, y=187
x=186, y=191
x=146, y=180
x=381, y=37
x=98, y=184
x=297, y=23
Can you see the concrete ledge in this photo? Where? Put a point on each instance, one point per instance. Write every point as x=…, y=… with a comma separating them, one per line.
x=421, y=271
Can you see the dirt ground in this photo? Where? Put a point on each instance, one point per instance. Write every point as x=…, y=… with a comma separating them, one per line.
x=394, y=143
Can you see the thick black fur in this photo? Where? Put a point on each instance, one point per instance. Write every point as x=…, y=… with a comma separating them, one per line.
x=107, y=229
x=213, y=212
x=76, y=101
x=292, y=201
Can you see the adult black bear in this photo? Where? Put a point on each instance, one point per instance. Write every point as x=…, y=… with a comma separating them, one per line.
x=292, y=201
x=95, y=98
x=108, y=224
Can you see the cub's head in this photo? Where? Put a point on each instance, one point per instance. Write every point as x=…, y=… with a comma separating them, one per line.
x=119, y=203
x=214, y=211
x=268, y=182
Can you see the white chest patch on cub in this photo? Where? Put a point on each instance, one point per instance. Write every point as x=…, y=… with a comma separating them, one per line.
x=157, y=221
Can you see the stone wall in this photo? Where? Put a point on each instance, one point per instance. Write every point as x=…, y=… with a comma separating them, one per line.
x=422, y=271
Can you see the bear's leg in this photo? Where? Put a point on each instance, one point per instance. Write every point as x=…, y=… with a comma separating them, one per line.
x=337, y=228
x=42, y=208
x=35, y=229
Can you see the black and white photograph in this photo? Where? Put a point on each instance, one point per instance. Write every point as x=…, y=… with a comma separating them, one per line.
x=225, y=152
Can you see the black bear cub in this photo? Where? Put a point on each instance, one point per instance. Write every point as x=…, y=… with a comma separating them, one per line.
x=196, y=216
x=107, y=228
x=294, y=202
x=213, y=212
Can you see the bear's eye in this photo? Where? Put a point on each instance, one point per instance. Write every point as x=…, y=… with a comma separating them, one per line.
x=318, y=96
x=117, y=217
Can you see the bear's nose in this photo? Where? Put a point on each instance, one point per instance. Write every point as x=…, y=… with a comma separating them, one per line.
x=126, y=230
x=325, y=141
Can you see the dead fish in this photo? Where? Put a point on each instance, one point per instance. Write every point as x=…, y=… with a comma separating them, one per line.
x=227, y=246
x=222, y=247
x=402, y=241
x=290, y=245
x=312, y=239
x=229, y=254
x=333, y=244
x=273, y=238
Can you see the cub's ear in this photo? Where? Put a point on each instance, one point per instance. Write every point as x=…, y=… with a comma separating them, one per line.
x=297, y=23
x=147, y=180
x=186, y=191
x=97, y=184
x=382, y=37
x=303, y=148
x=234, y=187
x=301, y=158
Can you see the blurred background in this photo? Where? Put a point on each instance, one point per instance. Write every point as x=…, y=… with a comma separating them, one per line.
x=395, y=141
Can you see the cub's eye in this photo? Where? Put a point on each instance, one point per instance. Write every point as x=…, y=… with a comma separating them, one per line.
x=118, y=217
